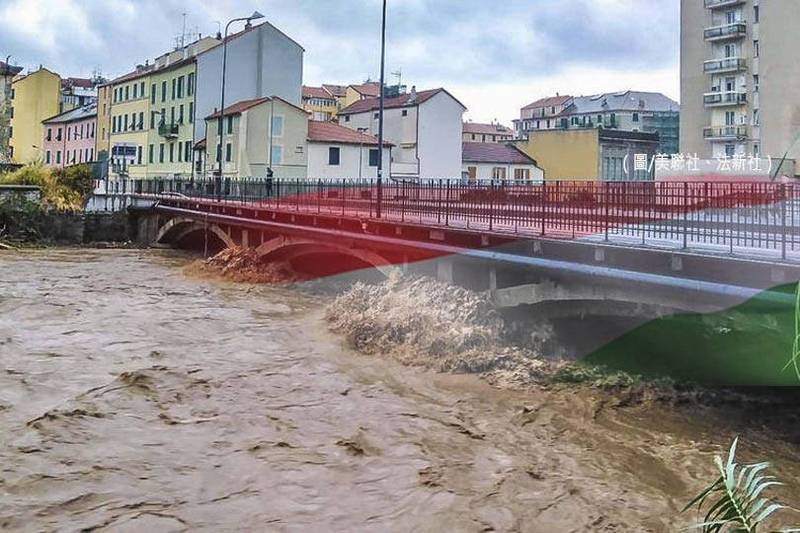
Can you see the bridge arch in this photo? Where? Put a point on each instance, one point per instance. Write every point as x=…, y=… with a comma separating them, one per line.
x=178, y=228
x=289, y=248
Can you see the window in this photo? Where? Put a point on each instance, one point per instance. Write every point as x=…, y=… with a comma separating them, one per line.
x=191, y=112
x=190, y=84
x=405, y=112
x=141, y=120
x=756, y=150
x=141, y=90
x=472, y=173
x=152, y=119
x=135, y=90
x=347, y=118
x=69, y=131
x=47, y=157
x=150, y=150
x=174, y=87
x=172, y=115
x=58, y=134
x=756, y=14
x=522, y=173
x=180, y=87
x=333, y=156
x=180, y=152
x=756, y=48
x=164, y=91
x=180, y=114
x=49, y=134
x=138, y=155
x=153, y=93
x=161, y=153
x=124, y=128
x=228, y=152
x=277, y=154
x=730, y=150
x=499, y=173
x=127, y=93
x=229, y=128
x=373, y=158
x=636, y=117
x=187, y=151
x=730, y=118
x=756, y=118
x=58, y=157
x=755, y=82
x=377, y=116
x=277, y=126
x=171, y=152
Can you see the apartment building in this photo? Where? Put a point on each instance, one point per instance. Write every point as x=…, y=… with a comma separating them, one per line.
x=475, y=132
x=425, y=128
x=362, y=91
x=7, y=74
x=34, y=98
x=634, y=111
x=498, y=161
x=322, y=105
x=69, y=138
x=739, y=78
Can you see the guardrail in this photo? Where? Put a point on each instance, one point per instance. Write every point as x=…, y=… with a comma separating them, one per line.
x=727, y=215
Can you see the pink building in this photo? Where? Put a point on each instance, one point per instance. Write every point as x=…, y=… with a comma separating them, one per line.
x=69, y=138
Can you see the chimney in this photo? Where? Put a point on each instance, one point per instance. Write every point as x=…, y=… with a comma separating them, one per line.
x=412, y=97
x=219, y=35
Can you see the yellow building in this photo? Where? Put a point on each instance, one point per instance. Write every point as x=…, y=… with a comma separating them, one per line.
x=258, y=136
x=591, y=154
x=355, y=93
x=151, y=113
x=321, y=103
x=103, y=135
x=171, y=120
x=34, y=98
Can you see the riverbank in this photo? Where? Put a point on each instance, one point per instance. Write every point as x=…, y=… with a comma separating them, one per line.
x=134, y=396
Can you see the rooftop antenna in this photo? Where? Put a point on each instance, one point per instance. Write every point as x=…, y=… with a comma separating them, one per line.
x=183, y=31
x=399, y=75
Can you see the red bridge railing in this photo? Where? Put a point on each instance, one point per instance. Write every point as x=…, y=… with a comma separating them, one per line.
x=715, y=215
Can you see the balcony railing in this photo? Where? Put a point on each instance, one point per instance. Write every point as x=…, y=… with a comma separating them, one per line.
x=729, y=64
x=726, y=31
x=716, y=4
x=169, y=131
x=725, y=132
x=720, y=98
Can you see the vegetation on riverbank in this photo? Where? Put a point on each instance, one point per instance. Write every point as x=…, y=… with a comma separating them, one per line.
x=24, y=221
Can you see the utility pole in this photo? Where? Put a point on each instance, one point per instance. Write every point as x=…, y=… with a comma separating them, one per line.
x=380, y=116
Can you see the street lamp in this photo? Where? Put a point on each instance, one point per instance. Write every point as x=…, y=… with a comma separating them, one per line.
x=380, y=117
x=255, y=16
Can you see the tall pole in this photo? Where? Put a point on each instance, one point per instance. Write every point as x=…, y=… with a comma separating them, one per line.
x=256, y=15
x=380, y=116
x=218, y=151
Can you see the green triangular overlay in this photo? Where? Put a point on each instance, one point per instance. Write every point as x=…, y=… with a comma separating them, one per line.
x=751, y=344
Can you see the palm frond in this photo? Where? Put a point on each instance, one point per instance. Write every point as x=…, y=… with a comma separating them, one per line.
x=739, y=503
x=794, y=361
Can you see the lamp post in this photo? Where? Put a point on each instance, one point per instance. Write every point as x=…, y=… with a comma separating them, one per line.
x=380, y=117
x=256, y=15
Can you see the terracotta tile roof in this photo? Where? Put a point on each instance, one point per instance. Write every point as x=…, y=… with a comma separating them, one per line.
x=330, y=132
x=6, y=69
x=404, y=100
x=487, y=129
x=369, y=89
x=84, y=83
x=494, y=153
x=550, y=101
x=239, y=107
x=339, y=91
x=316, y=92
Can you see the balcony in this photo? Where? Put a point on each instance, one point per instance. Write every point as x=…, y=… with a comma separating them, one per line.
x=727, y=98
x=725, y=133
x=737, y=30
x=169, y=131
x=729, y=64
x=719, y=4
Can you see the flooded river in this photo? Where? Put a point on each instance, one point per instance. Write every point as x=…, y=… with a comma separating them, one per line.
x=134, y=397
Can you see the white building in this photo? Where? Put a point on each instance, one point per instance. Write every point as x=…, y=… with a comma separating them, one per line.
x=425, y=128
x=262, y=62
x=500, y=162
x=739, y=79
x=338, y=152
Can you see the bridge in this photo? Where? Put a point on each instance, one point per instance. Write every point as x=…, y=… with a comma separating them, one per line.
x=622, y=253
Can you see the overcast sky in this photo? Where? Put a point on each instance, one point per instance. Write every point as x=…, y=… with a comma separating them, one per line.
x=493, y=55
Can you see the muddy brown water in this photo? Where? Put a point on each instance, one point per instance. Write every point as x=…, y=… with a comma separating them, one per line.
x=133, y=397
